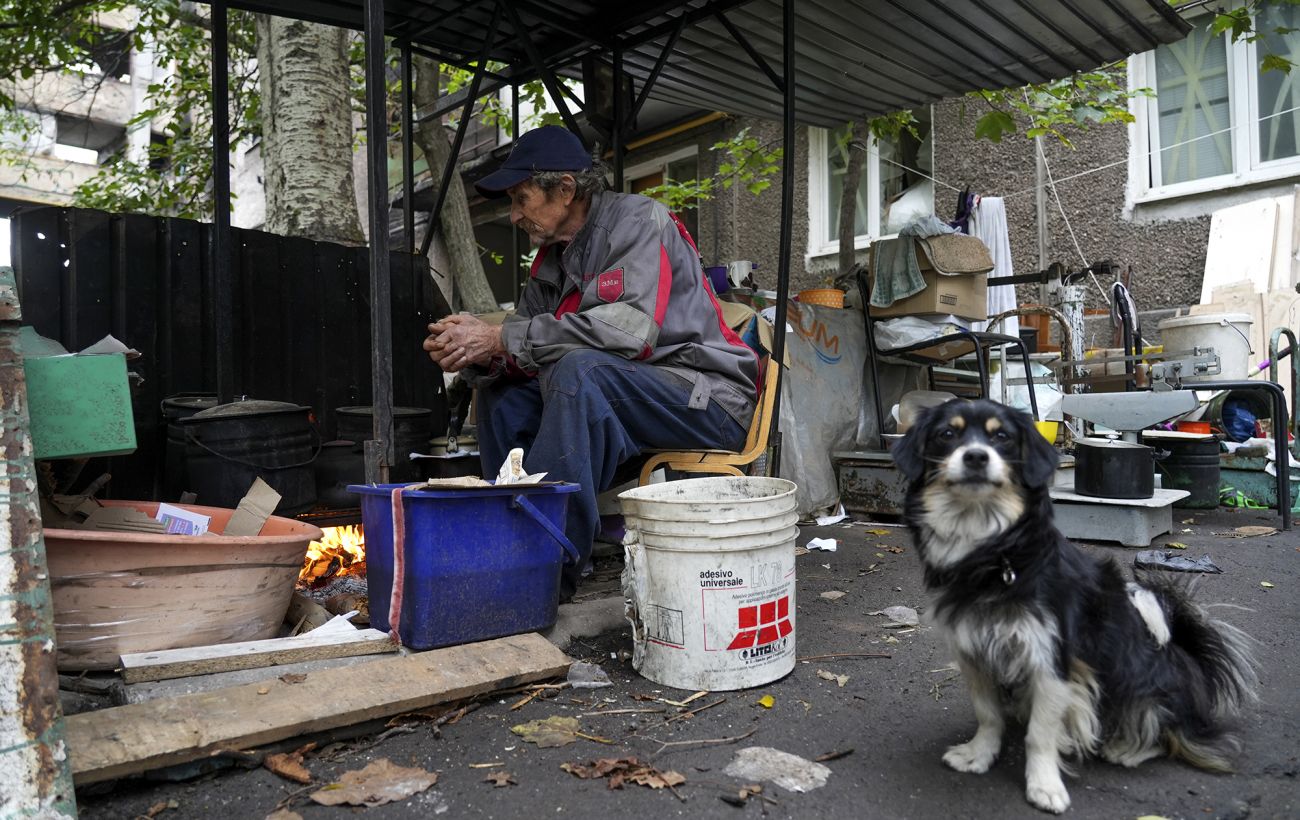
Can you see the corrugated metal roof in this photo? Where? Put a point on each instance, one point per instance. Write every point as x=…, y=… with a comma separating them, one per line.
x=855, y=59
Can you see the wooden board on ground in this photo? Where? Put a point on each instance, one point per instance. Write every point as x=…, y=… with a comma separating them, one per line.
x=204, y=660
x=124, y=693
x=128, y=740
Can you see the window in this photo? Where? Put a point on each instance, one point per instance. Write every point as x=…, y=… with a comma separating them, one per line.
x=1217, y=119
x=894, y=189
x=680, y=166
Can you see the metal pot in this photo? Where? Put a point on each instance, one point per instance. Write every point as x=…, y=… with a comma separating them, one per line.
x=1108, y=468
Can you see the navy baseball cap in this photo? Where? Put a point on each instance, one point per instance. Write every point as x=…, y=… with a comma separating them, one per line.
x=549, y=148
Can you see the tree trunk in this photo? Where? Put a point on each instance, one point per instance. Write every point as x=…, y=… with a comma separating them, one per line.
x=457, y=231
x=307, y=130
x=849, y=196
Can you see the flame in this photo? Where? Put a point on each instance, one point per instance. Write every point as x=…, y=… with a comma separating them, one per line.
x=341, y=551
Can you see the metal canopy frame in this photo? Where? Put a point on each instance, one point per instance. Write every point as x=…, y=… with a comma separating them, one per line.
x=856, y=59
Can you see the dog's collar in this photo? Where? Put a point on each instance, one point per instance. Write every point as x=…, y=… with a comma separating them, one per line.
x=1008, y=573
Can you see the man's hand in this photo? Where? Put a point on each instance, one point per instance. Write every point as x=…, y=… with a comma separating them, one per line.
x=460, y=340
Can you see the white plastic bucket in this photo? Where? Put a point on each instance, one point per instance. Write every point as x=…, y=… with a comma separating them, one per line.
x=709, y=581
x=1227, y=333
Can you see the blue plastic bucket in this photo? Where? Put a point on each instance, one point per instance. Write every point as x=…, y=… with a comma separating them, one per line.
x=481, y=562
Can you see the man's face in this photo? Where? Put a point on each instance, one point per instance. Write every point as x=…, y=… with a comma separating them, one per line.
x=540, y=214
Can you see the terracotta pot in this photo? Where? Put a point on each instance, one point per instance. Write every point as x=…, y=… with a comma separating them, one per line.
x=124, y=592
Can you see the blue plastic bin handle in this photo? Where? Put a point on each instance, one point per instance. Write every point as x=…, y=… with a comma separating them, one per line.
x=536, y=514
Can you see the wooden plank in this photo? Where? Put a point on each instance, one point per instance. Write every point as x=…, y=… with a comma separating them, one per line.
x=204, y=660
x=128, y=740
x=124, y=693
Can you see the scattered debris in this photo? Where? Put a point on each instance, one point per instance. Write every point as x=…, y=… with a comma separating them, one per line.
x=891, y=639
x=712, y=741
x=807, y=658
x=289, y=765
x=1265, y=584
x=767, y=701
x=583, y=675
x=683, y=703
x=491, y=765
x=693, y=712
x=293, y=677
x=800, y=551
x=789, y=772
x=158, y=808
x=501, y=779
x=829, y=756
x=741, y=797
x=378, y=783
x=1163, y=559
x=899, y=616
x=832, y=518
x=833, y=595
x=555, y=730
x=823, y=544
x=1248, y=532
x=840, y=679
x=878, y=532
x=283, y=814
x=893, y=549
x=1176, y=545
x=626, y=770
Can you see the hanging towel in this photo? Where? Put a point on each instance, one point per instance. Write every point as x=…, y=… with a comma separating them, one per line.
x=894, y=268
x=989, y=223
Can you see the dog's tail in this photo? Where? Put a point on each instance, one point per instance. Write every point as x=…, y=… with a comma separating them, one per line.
x=1219, y=679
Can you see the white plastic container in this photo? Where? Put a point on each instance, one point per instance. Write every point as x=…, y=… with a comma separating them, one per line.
x=710, y=581
x=1227, y=333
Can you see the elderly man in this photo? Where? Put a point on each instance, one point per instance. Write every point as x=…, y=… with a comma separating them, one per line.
x=618, y=344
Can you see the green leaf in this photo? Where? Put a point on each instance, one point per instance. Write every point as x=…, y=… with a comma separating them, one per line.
x=1274, y=62
x=993, y=125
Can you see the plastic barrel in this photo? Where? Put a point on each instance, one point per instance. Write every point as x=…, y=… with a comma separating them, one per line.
x=479, y=562
x=710, y=581
x=1191, y=466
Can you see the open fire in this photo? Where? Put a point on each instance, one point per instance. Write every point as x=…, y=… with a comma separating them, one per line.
x=341, y=551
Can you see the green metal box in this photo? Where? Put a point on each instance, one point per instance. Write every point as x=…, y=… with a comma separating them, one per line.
x=79, y=406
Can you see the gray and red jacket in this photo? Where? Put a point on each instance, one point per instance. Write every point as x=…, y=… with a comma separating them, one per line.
x=630, y=283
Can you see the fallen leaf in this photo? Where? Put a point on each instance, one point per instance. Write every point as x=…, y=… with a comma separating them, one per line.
x=1265, y=584
x=553, y=731
x=807, y=707
x=158, y=808
x=500, y=779
x=262, y=690
x=833, y=595
x=289, y=765
x=283, y=814
x=294, y=677
x=625, y=770
x=840, y=679
x=891, y=639
x=877, y=532
x=894, y=550
x=800, y=551
x=1153, y=817
x=767, y=701
x=1177, y=545
x=378, y=783
x=880, y=555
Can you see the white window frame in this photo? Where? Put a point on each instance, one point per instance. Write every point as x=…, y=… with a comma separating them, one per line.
x=1243, y=85
x=819, y=212
x=659, y=163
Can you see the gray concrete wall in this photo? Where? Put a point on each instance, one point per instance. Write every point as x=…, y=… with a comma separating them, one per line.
x=1164, y=258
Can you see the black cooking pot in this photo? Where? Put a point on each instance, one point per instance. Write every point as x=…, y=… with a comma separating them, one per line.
x=1108, y=468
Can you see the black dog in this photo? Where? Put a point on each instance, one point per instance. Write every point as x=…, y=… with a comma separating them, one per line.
x=1045, y=634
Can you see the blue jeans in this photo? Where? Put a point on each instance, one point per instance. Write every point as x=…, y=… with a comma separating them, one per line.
x=584, y=416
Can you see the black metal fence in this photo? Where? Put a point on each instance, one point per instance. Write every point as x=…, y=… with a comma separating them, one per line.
x=301, y=317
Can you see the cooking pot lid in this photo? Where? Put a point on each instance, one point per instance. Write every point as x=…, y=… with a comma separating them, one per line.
x=398, y=412
x=1110, y=444
x=248, y=407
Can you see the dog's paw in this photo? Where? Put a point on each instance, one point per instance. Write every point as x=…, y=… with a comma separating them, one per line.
x=1048, y=796
x=970, y=757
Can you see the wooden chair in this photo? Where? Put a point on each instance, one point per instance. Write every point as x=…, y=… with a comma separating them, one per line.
x=724, y=462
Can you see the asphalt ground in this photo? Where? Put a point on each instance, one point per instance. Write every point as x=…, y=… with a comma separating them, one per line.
x=893, y=716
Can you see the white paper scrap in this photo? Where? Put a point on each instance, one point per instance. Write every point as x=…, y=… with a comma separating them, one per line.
x=833, y=518
x=826, y=544
x=181, y=521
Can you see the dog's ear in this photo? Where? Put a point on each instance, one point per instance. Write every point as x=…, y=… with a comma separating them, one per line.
x=1038, y=457
x=909, y=451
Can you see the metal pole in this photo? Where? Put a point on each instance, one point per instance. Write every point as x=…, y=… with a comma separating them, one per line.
x=515, y=280
x=379, y=451
x=616, y=135
x=408, y=152
x=223, y=285
x=787, y=217
x=35, y=778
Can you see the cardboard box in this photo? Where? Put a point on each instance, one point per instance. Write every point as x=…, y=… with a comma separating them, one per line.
x=79, y=406
x=958, y=294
